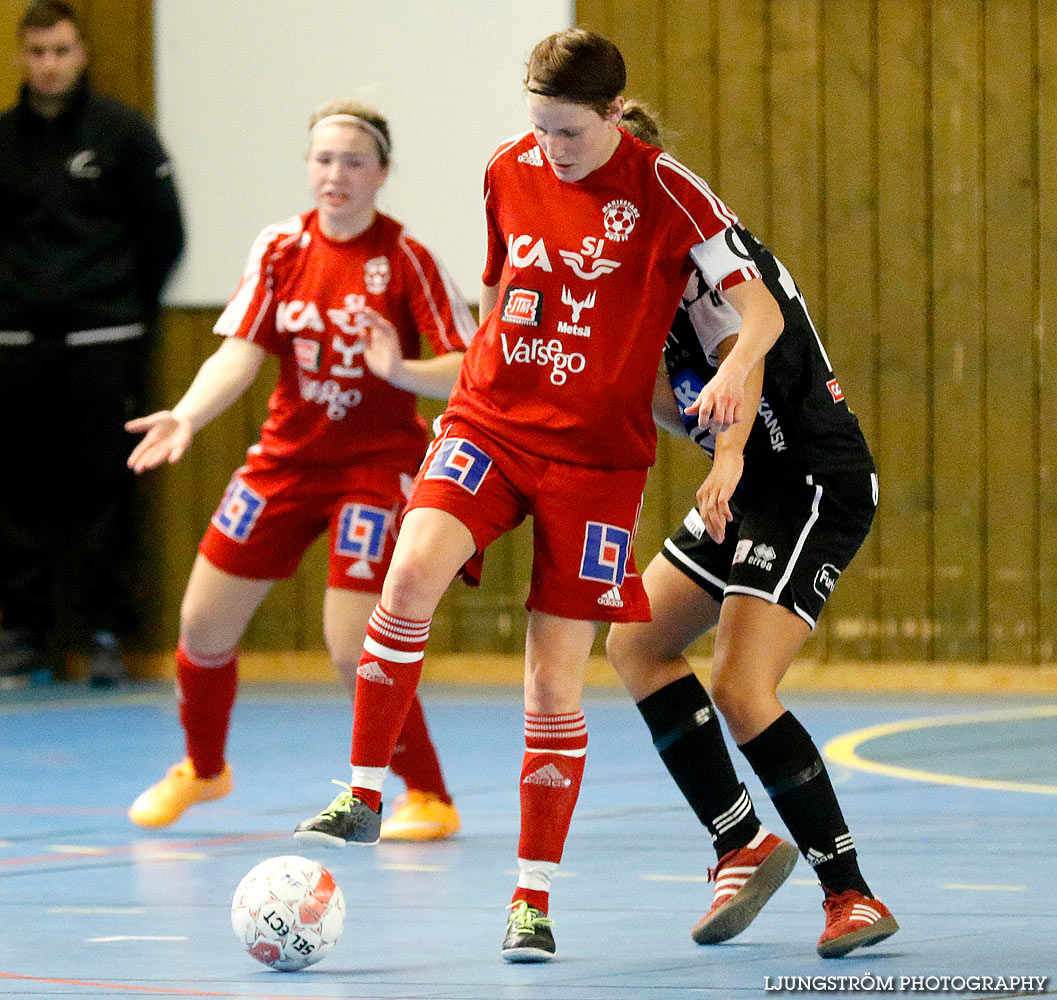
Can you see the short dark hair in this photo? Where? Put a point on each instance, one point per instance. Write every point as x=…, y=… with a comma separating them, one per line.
x=577, y=65
x=47, y=14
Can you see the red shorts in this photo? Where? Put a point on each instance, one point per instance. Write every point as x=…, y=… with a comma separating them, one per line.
x=584, y=520
x=270, y=515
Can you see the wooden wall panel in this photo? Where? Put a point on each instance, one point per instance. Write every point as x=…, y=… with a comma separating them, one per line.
x=850, y=314
x=1046, y=327
x=900, y=437
x=1009, y=300
x=957, y=331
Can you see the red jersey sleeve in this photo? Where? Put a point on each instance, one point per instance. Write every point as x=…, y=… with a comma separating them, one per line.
x=440, y=312
x=496, y=254
x=719, y=253
x=251, y=312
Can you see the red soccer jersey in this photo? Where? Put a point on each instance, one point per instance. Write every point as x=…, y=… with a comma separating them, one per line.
x=299, y=298
x=590, y=274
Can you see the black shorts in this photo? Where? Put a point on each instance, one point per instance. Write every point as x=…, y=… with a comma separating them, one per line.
x=788, y=542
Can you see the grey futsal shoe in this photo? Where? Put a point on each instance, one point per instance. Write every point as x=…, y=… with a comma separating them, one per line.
x=528, y=935
x=347, y=820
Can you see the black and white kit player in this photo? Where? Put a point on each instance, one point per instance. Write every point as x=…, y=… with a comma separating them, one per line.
x=808, y=492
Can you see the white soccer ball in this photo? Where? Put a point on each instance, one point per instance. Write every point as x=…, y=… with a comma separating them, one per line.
x=287, y=912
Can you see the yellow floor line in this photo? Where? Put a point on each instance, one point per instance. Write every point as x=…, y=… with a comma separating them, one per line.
x=844, y=749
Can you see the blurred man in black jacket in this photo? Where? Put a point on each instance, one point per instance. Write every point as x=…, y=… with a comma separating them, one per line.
x=90, y=229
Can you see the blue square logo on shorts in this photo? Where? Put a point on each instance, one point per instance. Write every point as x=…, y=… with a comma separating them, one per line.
x=362, y=531
x=606, y=550
x=460, y=461
x=238, y=511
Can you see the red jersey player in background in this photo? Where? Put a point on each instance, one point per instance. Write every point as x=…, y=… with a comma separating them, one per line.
x=592, y=236
x=342, y=295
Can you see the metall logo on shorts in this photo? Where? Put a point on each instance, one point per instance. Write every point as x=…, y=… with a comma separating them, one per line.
x=238, y=511
x=523, y=306
x=605, y=553
x=361, y=531
x=462, y=462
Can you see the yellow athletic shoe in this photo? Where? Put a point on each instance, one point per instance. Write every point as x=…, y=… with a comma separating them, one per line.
x=164, y=803
x=420, y=816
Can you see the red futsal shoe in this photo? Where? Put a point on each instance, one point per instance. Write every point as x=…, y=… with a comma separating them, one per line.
x=853, y=921
x=745, y=880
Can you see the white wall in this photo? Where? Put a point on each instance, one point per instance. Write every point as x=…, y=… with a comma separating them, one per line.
x=236, y=81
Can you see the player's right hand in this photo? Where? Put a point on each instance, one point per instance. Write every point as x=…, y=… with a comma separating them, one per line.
x=165, y=439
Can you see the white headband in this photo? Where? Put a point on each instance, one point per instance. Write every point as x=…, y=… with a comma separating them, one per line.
x=372, y=130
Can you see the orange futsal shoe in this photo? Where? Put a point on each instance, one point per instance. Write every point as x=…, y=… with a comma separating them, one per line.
x=421, y=816
x=745, y=880
x=853, y=921
x=164, y=803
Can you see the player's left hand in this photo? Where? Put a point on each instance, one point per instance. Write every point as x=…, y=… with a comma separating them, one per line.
x=713, y=496
x=722, y=400
x=381, y=347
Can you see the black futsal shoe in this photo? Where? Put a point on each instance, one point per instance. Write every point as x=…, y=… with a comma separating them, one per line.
x=347, y=820
x=528, y=935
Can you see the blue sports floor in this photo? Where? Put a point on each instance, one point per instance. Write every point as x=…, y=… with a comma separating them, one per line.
x=953, y=805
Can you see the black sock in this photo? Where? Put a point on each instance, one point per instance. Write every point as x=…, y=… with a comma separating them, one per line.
x=686, y=733
x=787, y=762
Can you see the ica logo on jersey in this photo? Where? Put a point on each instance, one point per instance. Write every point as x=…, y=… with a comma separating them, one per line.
x=589, y=262
x=523, y=251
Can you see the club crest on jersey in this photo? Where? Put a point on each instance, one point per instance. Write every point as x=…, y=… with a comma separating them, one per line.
x=524, y=252
x=589, y=262
x=835, y=390
x=362, y=531
x=238, y=511
x=523, y=306
x=307, y=352
x=462, y=462
x=619, y=218
x=605, y=553
x=376, y=275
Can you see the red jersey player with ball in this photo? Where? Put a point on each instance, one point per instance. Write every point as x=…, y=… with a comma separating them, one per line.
x=592, y=235
x=342, y=295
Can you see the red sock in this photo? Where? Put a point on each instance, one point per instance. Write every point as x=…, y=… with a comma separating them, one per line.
x=385, y=687
x=551, y=772
x=415, y=758
x=206, y=686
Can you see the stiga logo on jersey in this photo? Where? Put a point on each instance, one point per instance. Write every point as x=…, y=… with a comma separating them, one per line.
x=589, y=262
x=362, y=531
x=460, y=461
x=835, y=390
x=605, y=553
x=619, y=218
x=826, y=580
x=238, y=511
x=308, y=352
x=523, y=252
x=523, y=306
x=376, y=275
x=551, y=352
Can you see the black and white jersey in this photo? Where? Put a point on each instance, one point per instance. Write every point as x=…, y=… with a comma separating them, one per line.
x=803, y=424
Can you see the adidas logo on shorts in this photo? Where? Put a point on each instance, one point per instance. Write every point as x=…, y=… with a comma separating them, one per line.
x=533, y=157
x=372, y=672
x=548, y=775
x=611, y=598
